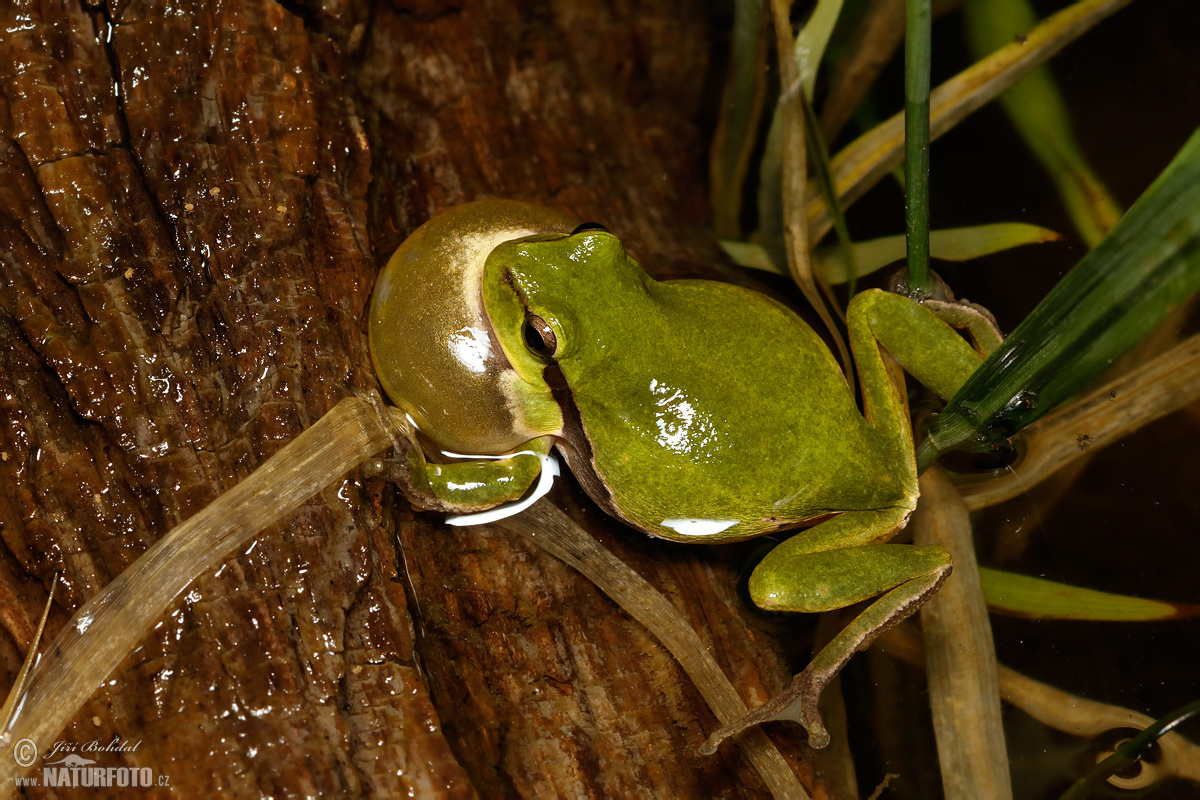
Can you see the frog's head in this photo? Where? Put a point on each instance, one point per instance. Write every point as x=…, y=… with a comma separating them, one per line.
x=557, y=302
x=579, y=321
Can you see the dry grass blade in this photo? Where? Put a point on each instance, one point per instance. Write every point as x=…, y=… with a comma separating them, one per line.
x=17, y=692
x=109, y=625
x=558, y=534
x=879, y=32
x=959, y=655
x=1069, y=713
x=795, y=161
x=1087, y=718
x=795, y=172
x=861, y=164
x=1118, y=408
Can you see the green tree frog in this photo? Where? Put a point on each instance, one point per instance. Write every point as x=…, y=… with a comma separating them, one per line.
x=692, y=410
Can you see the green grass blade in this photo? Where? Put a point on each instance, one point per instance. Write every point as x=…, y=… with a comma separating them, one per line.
x=1118, y=293
x=820, y=157
x=770, y=192
x=808, y=49
x=1036, y=598
x=1036, y=108
x=917, y=44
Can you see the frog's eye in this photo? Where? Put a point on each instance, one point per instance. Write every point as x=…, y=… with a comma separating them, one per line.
x=590, y=226
x=539, y=337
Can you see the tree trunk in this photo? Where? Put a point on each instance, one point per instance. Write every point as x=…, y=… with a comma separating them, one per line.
x=194, y=200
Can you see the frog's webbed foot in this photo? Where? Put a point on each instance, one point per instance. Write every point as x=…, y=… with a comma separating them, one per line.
x=970, y=317
x=797, y=703
x=960, y=314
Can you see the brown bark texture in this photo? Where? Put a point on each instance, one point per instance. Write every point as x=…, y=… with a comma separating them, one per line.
x=194, y=200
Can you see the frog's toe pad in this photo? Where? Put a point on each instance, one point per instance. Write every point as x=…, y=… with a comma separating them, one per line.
x=797, y=703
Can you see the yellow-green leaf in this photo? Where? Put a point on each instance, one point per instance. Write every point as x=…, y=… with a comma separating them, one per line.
x=751, y=256
x=1036, y=598
x=812, y=39
x=951, y=244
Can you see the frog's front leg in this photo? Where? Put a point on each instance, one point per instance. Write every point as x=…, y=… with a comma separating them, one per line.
x=469, y=486
x=839, y=562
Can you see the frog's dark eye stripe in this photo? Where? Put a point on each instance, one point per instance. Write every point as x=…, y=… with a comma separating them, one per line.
x=539, y=336
x=590, y=226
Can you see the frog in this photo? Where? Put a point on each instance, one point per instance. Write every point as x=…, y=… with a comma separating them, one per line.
x=691, y=410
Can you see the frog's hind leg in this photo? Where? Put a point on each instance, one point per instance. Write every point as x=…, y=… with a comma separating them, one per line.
x=922, y=337
x=838, y=563
x=844, y=560
x=976, y=320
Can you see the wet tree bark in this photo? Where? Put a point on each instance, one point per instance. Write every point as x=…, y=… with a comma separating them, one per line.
x=194, y=200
